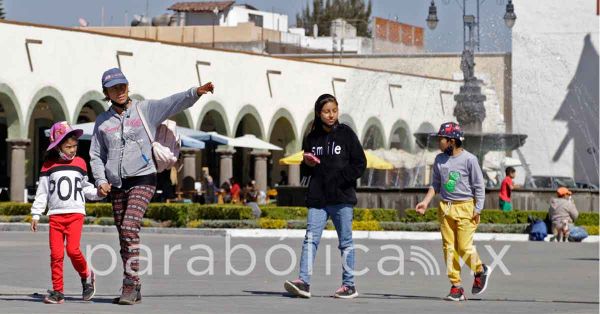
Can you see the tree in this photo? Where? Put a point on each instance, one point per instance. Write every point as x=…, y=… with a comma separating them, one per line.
x=356, y=12
x=1, y=11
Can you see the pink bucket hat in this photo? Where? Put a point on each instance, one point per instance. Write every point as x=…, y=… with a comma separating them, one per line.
x=59, y=131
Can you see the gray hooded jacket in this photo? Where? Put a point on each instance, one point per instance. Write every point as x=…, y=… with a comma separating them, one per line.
x=120, y=146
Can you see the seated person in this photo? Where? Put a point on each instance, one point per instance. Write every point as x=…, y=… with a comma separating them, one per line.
x=562, y=213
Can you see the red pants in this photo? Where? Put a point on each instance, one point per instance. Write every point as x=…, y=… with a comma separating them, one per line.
x=66, y=227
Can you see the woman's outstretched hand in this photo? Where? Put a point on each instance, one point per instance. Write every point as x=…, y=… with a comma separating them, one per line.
x=205, y=89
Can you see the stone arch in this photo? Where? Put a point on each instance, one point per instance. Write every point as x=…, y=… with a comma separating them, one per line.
x=401, y=137
x=10, y=105
x=249, y=112
x=183, y=119
x=373, y=135
x=347, y=120
x=47, y=107
x=287, y=116
x=217, y=111
x=283, y=134
x=93, y=99
x=56, y=102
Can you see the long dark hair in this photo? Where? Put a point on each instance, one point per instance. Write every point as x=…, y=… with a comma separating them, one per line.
x=317, y=124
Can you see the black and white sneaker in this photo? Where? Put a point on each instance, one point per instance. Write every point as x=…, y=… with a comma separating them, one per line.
x=89, y=287
x=456, y=294
x=297, y=288
x=346, y=292
x=481, y=280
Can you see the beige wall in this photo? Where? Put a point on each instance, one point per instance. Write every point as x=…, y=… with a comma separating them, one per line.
x=496, y=68
x=244, y=32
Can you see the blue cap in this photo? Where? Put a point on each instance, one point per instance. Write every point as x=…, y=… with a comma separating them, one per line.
x=113, y=77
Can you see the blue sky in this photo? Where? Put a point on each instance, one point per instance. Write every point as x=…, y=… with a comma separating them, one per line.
x=447, y=37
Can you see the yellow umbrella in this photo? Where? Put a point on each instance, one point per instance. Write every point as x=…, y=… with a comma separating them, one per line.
x=294, y=159
x=373, y=162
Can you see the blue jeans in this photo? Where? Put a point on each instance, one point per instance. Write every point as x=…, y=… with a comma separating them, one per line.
x=341, y=215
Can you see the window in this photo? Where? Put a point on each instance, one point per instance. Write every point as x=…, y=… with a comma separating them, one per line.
x=256, y=19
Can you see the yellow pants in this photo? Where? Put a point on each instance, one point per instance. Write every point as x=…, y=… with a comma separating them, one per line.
x=457, y=227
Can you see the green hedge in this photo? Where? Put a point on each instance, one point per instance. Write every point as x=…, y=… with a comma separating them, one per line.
x=181, y=214
x=12, y=209
x=495, y=216
x=296, y=213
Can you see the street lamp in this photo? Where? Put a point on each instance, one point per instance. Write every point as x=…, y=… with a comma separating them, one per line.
x=432, y=19
x=216, y=12
x=469, y=109
x=510, y=17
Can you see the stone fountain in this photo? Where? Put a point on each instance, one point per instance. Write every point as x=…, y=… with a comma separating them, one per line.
x=470, y=113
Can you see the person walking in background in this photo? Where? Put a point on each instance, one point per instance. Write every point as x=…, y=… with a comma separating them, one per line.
x=506, y=189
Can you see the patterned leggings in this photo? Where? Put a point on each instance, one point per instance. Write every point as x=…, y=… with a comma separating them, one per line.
x=129, y=207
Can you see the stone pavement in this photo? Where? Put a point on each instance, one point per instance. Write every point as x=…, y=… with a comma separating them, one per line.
x=544, y=277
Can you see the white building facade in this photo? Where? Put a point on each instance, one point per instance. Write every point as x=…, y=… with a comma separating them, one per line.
x=227, y=13
x=51, y=74
x=555, y=87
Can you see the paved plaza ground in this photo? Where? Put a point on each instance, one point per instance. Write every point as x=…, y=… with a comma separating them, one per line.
x=544, y=277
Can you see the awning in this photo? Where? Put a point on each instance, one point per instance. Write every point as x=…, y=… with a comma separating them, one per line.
x=251, y=141
x=88, y=131
x=373, y=162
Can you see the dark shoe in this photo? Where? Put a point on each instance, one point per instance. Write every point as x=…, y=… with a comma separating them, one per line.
x=130, y=293
x=481, y=281
x=456, y=294
x=346, y=292
x=138, y=299
x=54, y=297
x=89, y=287
x=298, y=288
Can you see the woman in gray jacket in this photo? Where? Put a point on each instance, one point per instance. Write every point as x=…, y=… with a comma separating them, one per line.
x=121, y=160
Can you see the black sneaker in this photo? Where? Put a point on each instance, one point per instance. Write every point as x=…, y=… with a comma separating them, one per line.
x=346, y=292
x=54, y=297
x=456, y=294
x=481, y=281
x=89, y=287
x=298, y=288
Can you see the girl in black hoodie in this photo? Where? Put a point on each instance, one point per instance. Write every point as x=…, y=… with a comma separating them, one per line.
x=333, y=160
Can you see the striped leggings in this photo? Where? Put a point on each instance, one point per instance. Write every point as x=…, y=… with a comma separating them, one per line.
x=129, y=207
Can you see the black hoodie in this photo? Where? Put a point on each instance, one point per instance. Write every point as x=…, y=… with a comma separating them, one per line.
x=343, y=161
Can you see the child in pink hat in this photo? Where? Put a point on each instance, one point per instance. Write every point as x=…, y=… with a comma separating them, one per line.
x=63, y=188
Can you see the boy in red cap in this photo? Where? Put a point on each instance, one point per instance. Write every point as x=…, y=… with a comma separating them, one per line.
x=457, y=177
x=63, y=188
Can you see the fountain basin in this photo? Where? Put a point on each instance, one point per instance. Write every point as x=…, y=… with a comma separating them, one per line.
x=477, y=143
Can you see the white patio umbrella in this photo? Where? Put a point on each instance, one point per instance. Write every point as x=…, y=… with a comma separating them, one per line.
x=205, y=136
x=251, y=141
